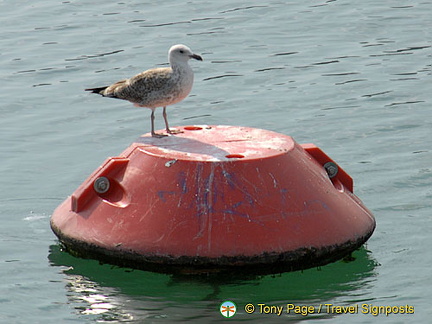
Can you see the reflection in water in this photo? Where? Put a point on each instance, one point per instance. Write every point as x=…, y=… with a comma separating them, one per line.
x=89, y=298
x=105, y=293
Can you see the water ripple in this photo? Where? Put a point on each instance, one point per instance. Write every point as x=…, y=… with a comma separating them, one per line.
x=85, y=57
x=340, y=74
x=350, y=81
x=222, y=76
x=242, y=8
x=413, y=48
x=166, y=24
x=377, y=94
x=326, y=62
x=404, y=103
x=284, y=53
x=269, y=69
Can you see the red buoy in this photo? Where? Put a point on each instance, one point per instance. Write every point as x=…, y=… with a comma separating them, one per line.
x=215, y=198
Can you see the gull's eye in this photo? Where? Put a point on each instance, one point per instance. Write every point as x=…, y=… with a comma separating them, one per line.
x=181, y=52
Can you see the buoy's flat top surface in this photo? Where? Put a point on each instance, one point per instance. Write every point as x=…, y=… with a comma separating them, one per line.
x=216, y=143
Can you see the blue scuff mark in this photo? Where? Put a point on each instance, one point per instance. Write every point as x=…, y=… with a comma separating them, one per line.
x=162, y=195
x=182, y=181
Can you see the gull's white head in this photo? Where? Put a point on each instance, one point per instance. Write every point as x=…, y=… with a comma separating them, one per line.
x=181, y=53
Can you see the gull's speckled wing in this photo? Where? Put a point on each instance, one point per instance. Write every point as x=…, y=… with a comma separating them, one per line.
x=143, y=87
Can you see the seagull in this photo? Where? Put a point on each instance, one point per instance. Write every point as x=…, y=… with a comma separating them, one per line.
x=158, y=87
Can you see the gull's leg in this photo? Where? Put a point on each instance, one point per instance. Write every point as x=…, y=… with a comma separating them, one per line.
x=152, y=118
x=168, y=130
x=164, y=114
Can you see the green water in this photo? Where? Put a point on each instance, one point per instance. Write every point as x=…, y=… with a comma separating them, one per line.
x=170, y=297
